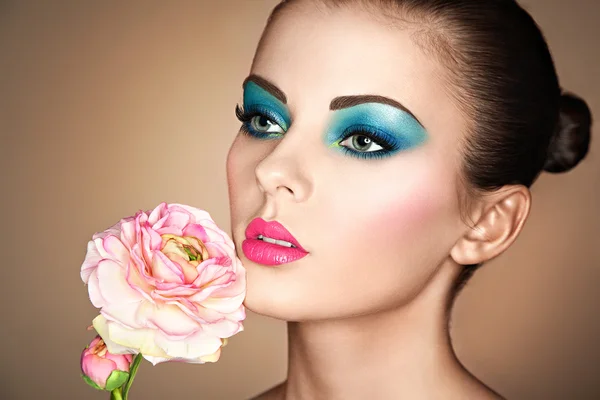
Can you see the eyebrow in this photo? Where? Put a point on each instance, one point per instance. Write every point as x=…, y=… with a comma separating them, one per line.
x=337, y=103
x=350, y=101
x=268, y=86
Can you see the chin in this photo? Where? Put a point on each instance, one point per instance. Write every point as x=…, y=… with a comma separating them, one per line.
x=268, y=293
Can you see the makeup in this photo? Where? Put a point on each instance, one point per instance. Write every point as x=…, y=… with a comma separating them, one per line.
x=270, y=243
x=375, y=130
x=264, y=115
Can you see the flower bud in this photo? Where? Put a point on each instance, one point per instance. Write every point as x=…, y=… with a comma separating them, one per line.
x=104, y=370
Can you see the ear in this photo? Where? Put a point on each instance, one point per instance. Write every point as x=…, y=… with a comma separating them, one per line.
x=502, y=215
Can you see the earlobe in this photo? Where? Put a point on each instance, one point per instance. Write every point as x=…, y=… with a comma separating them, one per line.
x=504, y=215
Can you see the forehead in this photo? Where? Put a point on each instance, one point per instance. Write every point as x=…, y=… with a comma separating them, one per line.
x=315, y=54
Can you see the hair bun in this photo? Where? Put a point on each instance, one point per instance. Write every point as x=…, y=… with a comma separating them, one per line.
x=571, y=141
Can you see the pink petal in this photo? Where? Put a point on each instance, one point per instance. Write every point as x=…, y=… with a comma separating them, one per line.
x=166, y=270
x=113, y=284
x=194, y=346
x=157, y=213
x=126, y=314
x=128, y=233
x=196, y=212
x=223, y=329
x=138, y=282
x=122, y=361
x=160, y=223
x=113, y=230
x=202, y=315
x=97, y=369
x=178, y=218
x=196, y=231
x=94, y=290
x=189, y=271
x=217, y=250
x=90, y=262
x=235, y=289
x=211, y=270
x=230, y=306
x=171, y=320
x=150, y=238
x=141, y=265
x=116, y=249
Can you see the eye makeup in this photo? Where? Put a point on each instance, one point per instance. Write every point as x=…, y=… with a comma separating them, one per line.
x=391, y=128
x=261, y=108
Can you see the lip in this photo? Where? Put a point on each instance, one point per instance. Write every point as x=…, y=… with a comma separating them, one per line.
x=266, y=253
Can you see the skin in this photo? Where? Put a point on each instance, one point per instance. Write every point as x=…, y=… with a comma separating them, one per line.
x=367, y=308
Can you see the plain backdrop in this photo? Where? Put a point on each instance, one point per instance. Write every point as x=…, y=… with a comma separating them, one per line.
x=108, y=107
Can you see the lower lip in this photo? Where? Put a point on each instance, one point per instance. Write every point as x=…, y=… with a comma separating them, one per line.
x=266, y=253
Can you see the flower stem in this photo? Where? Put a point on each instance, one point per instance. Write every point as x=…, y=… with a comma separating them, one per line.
x=116, y=394
x=132, y=371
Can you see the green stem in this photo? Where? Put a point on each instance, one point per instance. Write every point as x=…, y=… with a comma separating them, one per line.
x=116, y=394
x=132, y=371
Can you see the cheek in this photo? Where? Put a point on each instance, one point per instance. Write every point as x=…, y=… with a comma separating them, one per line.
x=233, y=164
x=238, y=166
x=413, y=211
x=400, y=227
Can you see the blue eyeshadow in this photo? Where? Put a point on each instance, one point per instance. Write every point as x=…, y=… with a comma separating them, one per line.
x=394, y=129
x=258, y=100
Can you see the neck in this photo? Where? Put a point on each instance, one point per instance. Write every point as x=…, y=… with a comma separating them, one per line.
x=390, y=354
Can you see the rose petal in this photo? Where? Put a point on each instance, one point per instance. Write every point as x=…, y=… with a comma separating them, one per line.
x=94, y=290
x=128, y=232
x=223, y=329
x=113, y=285
x=113, y=230
x=157, y=213
x=126, y=314
x=116, y=249
x=226, y=305
x=143, y=340
x=194, y=346
x=101, y=326
x=189, y=271
x=90, y=262
x=171, y=320
x=122, y=361
x=97, y=369
x=165, y=270
x=197, y=231
x=178, y=218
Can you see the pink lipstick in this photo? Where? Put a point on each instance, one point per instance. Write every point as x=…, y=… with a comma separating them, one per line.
x=269, y=243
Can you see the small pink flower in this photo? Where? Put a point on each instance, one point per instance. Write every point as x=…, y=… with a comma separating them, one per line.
x=168, y=284
x=102, y=369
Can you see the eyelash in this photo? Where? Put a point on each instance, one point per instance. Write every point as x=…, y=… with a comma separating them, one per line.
x=245, y=117
x=371, y=133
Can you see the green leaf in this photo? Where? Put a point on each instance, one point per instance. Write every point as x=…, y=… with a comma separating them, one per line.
x=116, y=379
x=90, y=382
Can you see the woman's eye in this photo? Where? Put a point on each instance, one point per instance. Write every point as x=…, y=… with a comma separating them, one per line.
x=262, y=124
x=361, y=143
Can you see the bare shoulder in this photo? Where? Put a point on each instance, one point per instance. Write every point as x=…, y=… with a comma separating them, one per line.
x=275, y=393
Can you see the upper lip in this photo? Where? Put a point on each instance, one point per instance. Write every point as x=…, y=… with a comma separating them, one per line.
x=271, y=229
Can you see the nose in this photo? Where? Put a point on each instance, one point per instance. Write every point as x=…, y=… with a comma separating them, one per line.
x=284, y=173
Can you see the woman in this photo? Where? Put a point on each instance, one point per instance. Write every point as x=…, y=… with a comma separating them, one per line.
x=386, y=151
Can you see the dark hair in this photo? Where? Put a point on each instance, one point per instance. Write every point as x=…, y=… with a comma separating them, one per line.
x=503, y=78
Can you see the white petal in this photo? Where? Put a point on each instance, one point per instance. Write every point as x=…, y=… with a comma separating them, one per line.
x=113, y=285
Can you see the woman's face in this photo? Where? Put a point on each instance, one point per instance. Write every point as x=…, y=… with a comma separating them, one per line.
x=367, y=189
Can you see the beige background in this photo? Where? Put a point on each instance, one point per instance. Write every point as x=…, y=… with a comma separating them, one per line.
x=107, y=108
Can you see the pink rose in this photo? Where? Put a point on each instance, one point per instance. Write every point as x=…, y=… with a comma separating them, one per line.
x=104, y=370
x=168, y=284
